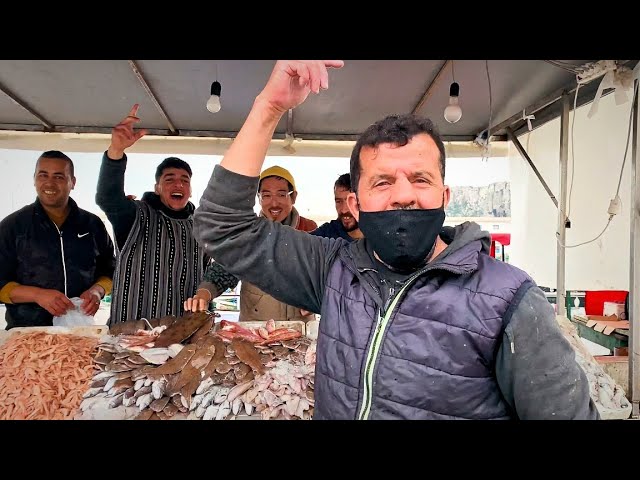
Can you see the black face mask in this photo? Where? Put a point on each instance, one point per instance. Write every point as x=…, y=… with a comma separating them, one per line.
x=403, y=239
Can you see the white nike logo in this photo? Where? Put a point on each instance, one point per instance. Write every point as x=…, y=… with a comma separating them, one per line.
x=83, y=235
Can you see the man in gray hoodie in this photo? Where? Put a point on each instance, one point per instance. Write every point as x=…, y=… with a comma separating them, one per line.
x=418, y=321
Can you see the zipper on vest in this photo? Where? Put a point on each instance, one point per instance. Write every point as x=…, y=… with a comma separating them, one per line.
x=382, y=321
x=376, y=342
x=374, y=347
x=64, y=266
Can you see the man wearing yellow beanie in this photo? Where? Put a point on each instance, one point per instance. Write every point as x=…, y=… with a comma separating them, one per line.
x=277, y=194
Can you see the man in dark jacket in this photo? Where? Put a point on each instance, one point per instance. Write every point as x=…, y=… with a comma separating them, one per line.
x=418, y=322
x=345, y=226
x=159, y=264
x=51, y=251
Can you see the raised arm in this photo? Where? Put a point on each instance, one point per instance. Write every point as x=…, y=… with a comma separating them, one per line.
x=289, y=85
x=110, y=196
x=288, y=264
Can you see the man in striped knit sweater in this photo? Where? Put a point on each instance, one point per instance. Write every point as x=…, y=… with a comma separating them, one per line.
x=159, y=264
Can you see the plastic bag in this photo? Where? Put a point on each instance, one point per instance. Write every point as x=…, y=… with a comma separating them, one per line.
x=74, y=317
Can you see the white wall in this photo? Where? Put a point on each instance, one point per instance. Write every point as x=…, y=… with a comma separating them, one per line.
x=599, y=148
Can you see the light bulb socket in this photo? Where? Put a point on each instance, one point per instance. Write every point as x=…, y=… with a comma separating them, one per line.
x=454, y=90
x=216, y=88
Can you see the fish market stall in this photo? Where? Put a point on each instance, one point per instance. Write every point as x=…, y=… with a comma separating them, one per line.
x=193, y=368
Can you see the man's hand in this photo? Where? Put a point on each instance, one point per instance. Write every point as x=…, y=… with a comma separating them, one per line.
x=289, y=85
x=292, y=80
x=123, y=136
x=54, y=302
x=91, y=301
x=199, y=302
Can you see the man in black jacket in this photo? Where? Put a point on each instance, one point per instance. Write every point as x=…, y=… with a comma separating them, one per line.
x=159, y=264
x=51, y=251
x=345, y=226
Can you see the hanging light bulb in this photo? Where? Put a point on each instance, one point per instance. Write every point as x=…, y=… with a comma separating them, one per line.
x=453, y=112
x=213, y=104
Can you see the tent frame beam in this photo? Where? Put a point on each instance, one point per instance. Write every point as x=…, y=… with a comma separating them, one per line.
x=427, y=93
x=561, y=294
x=147, y=88
x=19, y=127
x=634, y=270
x=14, y=98
x=511, y=136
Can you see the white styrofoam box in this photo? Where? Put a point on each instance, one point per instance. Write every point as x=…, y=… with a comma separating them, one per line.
x=613, y=308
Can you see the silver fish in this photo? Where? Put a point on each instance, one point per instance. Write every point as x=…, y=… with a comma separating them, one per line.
x=204, y=385
x=223, y=411
x=103, y=375
x=144, y=401
x=110, y=383
x=211, y=412
x=117, y=401
x=92, y=392
x=158, y=387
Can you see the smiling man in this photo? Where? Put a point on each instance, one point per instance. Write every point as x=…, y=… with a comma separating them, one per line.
x=51, y=251
x=159, y=264
x=277, y=195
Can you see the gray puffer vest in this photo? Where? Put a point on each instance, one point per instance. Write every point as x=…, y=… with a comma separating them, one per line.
x=434, y=358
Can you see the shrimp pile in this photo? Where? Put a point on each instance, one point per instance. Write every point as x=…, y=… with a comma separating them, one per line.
x=43, y=376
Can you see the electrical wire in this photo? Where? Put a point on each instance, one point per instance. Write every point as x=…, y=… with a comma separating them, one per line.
x=624, y=159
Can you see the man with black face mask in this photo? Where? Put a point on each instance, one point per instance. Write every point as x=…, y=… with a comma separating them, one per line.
x=418, y=321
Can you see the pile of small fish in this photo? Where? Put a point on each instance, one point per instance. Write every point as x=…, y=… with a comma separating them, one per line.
x=286, y=388
x=43, y=376
x=127, y=362
x=605, y=392
x=279, y=377
x=189, y=369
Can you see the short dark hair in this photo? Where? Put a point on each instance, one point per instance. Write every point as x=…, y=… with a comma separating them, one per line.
x=398, y=130
x=172, y=162
x=343, y=181
x=59, y=155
